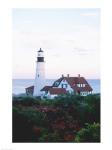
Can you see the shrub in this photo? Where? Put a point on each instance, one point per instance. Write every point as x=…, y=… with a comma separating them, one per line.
x=59, y=120
x=91, y=133
x=89, y=109
x=24, y=124
x=26, y=101
x=68, y=100
x=21, y=127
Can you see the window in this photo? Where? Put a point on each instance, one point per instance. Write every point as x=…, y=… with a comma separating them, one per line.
x=46, y=92
x=56, y=84
x=78, y=85
x=83, y=85
x=40, y=59
x=64, y=85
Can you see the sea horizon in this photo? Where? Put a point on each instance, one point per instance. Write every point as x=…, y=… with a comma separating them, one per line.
x=50, y=79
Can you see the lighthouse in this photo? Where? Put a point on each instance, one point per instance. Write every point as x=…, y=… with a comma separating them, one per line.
x=40, y=73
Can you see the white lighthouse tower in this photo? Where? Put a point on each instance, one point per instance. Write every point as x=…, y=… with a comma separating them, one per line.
x=40, y=74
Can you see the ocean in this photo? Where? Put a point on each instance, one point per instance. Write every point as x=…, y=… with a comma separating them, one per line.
x=19, y=85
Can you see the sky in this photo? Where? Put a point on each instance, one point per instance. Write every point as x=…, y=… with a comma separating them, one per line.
x=70, y=39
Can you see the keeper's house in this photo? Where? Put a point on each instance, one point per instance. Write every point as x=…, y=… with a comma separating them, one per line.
x=64, y=85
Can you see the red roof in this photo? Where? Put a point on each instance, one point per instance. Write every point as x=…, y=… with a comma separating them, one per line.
x=57, y=91
x=76, y=80
x=57, y=81
x=87, y=88
x=46, y=88
x=73, y=81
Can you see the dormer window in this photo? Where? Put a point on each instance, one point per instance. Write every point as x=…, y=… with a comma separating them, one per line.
x=56, y=84
x=83, y=85
x=78, y=85
x=64, y=86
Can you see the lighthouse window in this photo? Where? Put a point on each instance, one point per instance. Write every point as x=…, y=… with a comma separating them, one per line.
x=40, y=59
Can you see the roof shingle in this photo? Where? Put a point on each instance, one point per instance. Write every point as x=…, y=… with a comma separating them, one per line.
x=46, y=88
x=57, y=91
x=30, y=87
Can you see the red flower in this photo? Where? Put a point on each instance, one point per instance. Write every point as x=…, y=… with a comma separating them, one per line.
x=69, y=137
x=59, y=125
x=36, y=130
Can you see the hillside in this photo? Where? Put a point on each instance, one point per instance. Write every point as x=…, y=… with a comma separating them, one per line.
x=64, y=119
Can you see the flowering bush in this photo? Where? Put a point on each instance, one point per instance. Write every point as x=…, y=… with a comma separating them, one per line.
x=59, y=120
x=91, y=133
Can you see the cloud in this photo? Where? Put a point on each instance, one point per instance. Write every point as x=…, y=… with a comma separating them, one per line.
x=83, y=51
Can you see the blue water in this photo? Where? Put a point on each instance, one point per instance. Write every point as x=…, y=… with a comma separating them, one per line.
x=19, y=85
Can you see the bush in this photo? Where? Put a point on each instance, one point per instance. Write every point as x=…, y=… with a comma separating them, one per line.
x=68, y=100
x=59, y=120
x=26, y=101
x=91, y=133
x=89, y=109
x=21, y=127
x=50, y=137
x=24, y=123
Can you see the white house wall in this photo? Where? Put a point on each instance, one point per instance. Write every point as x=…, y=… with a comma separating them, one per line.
x=51, y=96
x=68, y=86
x=84, y=93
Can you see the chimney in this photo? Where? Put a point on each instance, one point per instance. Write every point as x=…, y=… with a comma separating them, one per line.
x=62, y=75
x=68, y=75
x=79, y=75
